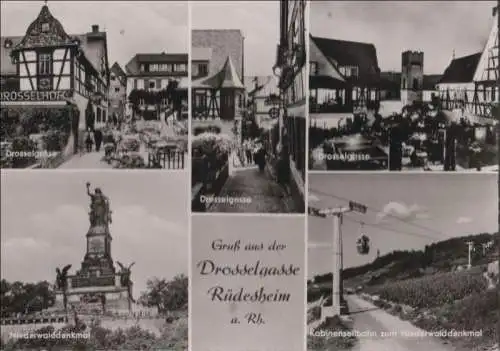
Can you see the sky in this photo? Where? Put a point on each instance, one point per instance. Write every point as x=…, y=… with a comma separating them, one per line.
x=222, y=335
x=258, y=21
x=434, y=27
x=405, y=211
x=45, y=220
x=132, y=26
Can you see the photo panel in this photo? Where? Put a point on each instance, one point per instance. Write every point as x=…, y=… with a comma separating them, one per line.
x=403, y=261
x=247, y=283
x=248, y=106
x=391, y=91
x=112, y=276
x=85, y=87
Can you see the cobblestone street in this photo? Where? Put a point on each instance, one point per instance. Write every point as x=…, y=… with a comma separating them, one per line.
x=92, y=160
x=266, y=195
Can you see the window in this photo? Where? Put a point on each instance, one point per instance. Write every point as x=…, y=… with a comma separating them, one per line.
x=44, y=73
x=180, y=67
x=415, y=84
x=113, y=78
x=202, y=69
x=45, y=64
x=153, y=68
x=152, y=84
x=354, y=71
x=117, y=90
x=45, y=27
x=313, y=68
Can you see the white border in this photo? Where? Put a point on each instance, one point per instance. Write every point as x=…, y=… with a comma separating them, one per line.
x=188, y=175
x=306, y=164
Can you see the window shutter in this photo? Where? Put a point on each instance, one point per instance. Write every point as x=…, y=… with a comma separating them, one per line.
x=135, y=83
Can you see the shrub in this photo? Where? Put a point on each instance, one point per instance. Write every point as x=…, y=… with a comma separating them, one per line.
x=211, y=144
x=55, y=140
x=130, y=161
x=212, y=128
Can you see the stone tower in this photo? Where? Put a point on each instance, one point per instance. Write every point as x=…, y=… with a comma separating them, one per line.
x=412, y=77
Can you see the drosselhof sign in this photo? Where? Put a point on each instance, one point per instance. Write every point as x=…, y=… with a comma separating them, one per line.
x=36, y=95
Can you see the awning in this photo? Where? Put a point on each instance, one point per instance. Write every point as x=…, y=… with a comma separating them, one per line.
x=325, y=82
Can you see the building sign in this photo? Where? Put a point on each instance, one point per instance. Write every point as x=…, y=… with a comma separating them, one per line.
x=274, y=112
x=35, y=95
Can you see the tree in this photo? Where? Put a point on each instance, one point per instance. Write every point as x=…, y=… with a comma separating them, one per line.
x=166, y=295
x=18, y=297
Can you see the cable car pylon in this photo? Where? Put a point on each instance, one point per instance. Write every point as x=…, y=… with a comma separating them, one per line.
x=337, y=216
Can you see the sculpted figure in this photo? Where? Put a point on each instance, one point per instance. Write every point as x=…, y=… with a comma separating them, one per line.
x=100, y=212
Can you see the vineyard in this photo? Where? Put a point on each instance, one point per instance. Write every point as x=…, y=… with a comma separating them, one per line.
x=433, y=290
x=450, y=301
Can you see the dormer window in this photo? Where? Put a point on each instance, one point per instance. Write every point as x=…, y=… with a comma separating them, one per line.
x=45, y=27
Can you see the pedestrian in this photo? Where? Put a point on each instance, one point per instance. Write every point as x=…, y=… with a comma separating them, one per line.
x=88, y=142
x=283, y=171
x=248, y=152
x=98, y=139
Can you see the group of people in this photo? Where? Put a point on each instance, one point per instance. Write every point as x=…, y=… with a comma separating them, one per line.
x=98, y=138
x=254, y=153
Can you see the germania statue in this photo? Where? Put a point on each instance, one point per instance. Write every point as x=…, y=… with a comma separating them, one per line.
x=100, y=212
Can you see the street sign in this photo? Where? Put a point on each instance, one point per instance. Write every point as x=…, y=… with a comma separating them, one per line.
x=274, y=112
x=357, y=207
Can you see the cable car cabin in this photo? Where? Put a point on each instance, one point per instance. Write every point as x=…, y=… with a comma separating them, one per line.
x=363, y=245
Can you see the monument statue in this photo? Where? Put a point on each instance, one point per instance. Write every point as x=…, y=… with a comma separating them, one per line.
x=125, y=280
x=100, y=212
x=62, y=277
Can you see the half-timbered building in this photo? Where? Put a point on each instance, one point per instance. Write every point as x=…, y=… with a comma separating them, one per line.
x=217, y=86
x=469, y=84
x=292, y=66
x=344, y=76
x=49, y=68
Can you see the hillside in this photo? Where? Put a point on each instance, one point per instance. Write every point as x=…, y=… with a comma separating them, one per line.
x=443, y=256
x=431, y=288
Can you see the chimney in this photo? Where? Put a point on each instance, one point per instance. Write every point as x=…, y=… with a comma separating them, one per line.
x=95, y=28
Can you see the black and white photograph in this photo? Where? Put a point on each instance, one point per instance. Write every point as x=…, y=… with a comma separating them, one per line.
x=403, y=262
x=247, y=283
x=94, y=84
x=88, y=263
x=403, y=86
x=248, y=106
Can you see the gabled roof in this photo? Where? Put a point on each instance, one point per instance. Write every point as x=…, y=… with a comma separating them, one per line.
x=461, y=70
x=54, y=36
x=350, y=53
x=36, y=36
x=201, y=54
x=133, y=66
x=431, y=80
x=226, y=78
x=261, y=86
x=117, y=70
